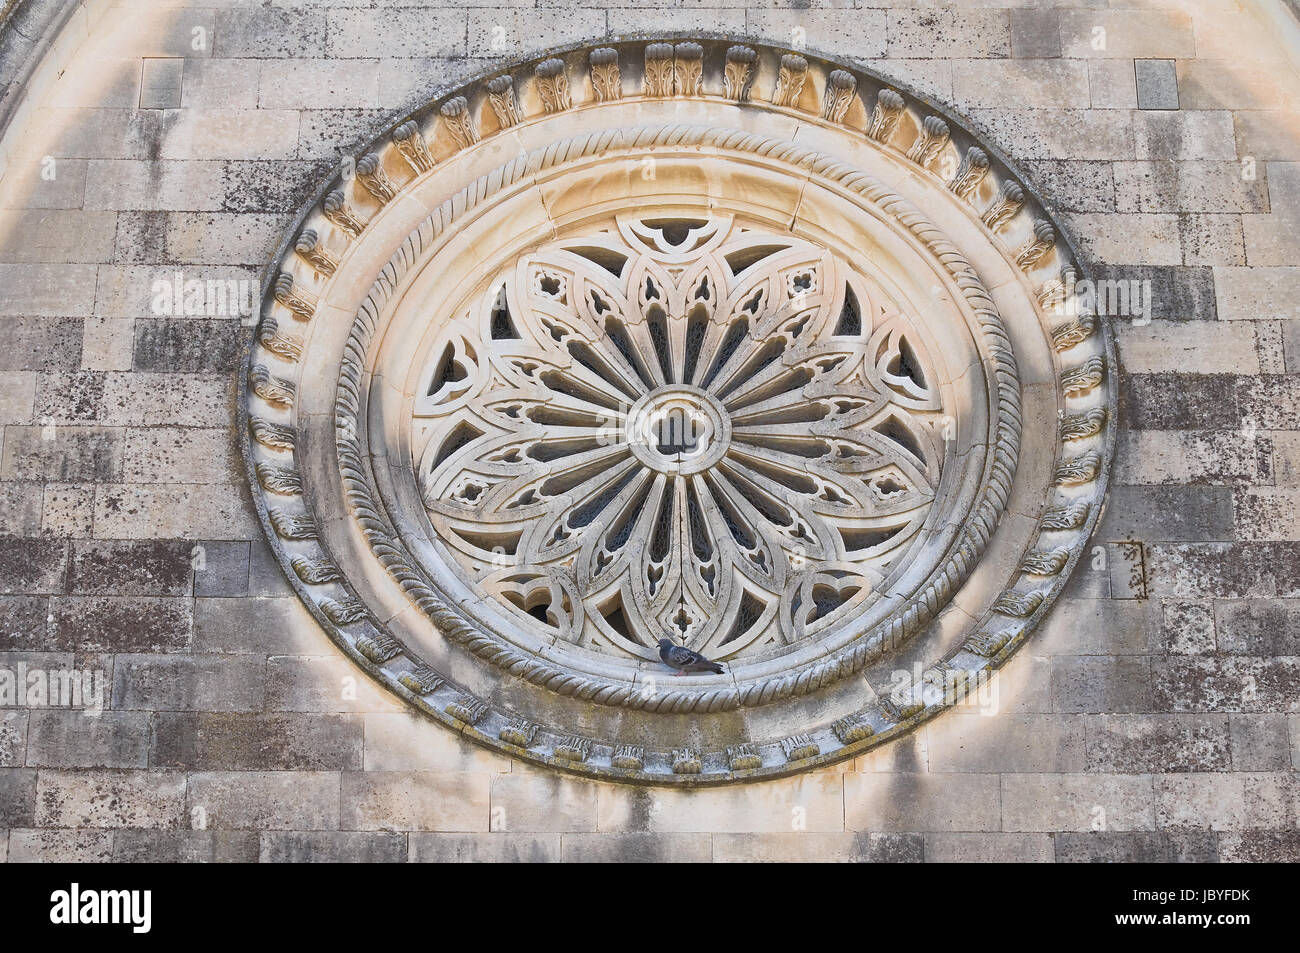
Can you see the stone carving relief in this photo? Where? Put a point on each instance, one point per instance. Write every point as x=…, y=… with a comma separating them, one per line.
x=689, y=340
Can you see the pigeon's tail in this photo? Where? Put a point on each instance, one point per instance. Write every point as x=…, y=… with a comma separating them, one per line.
x=715, y=668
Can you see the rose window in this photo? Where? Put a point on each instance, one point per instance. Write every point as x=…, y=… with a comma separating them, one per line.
x=710, y=342
x=679, y=427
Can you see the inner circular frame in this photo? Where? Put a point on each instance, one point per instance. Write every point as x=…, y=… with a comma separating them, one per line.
x=784, y=670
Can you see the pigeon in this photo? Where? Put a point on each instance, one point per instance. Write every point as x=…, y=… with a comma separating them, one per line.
x=684, y=660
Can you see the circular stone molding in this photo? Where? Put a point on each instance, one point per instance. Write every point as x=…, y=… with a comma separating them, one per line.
x=684, y=340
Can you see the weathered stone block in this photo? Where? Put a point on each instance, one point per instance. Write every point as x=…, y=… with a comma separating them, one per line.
x=222, y=571
x=1205, y=456
x=79, y=739
x=1137, y=744
x=189, y=345
x=484, y=848
x=329, y=683
x=404, y=740
x=122, y=623
x=530, y=801
x=974, y=743
x=269, y=33
x=1032, y=84
x=639, y=848
x=60, y=847
x=265, y=800
x=1077, y=802
x=1260, y=742
x=245, y=742
x=949, y=33
x=188, y=683
x=339, y=847
x=1233, y=683
x=865, y=30
x=1035, y=33
x=109, y=799
x=1126, y=34
x=59, y=453
x=1172, y=513
x=410, y=32
x=33, y=566
x=812, y=802
x=1189, y=628
x=68, y=398
x=132, y=846
x=13, y=738
x=1098, y=683
x=17, y=797
x=1157, y=84
x=129, y=568
x=921, y=802
x=981, y=848
x=1258, y=626
x=1225, y=802
x=408, y=800
x=180, y=455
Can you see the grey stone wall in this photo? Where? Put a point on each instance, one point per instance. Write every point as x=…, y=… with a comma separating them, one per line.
x=1154, y=717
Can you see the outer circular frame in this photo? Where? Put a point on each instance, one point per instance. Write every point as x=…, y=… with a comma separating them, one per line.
x=1039, y=499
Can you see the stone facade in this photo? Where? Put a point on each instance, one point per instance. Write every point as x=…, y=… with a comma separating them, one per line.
x=1152, y=716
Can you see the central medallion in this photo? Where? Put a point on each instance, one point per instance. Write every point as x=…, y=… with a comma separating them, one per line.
x=678, y=430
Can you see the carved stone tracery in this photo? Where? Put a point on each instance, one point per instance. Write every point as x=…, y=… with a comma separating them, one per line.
x=679, y=426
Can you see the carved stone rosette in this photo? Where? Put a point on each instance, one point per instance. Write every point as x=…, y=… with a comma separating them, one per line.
x=660, y=369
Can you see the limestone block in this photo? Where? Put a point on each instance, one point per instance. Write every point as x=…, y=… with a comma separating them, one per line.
x=177, y=511
x=1189, y=628
x=863, y=30
x=976, y=847
x=344, y=847
x=1128, y=34
x=265, y=800
x=1024, y=84
x=529, y=801
x=53, y=847
x=319, y=84
x=239, y=741
x=1225, y=802
x=273, y=33
x=484, y=848
x=405, y=741
x=1078, y=802
x=145, y=568
x=188, y=683
x=1137, y=744
x=135, y=846
x=78, y=739
x=415, y=800
x=975, y=742
x=924, y=802
x=109, y=799
x=398, y=33
x=948, y=33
